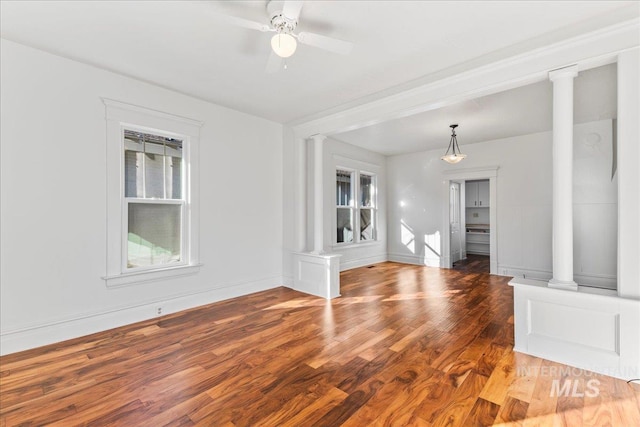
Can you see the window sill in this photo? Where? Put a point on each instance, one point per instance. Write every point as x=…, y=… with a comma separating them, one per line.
x=135, y=278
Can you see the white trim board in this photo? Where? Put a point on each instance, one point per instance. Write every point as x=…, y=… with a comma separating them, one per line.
x=584, y=280
x=363, y=262
x=65, y=329
x=428, y=261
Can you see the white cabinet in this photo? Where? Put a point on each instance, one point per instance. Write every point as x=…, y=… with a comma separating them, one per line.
x=483, y=194
x=477, y=194
x=478, y=239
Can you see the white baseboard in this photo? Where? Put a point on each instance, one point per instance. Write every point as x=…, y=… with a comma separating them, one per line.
x=362, y=262
x=415, y=260
x=65, y=329
x=287, y=281
x=598, y=281
x=525, y=273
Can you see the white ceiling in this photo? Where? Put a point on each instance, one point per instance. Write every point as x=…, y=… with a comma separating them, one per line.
x=186, y=46
x=520, y=111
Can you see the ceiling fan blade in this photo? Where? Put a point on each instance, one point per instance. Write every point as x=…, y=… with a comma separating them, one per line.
x=274, y=63
x=244, y=23
x=291, y=9
x=327, y=43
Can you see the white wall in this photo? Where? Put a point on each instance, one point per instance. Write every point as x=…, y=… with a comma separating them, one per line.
x=53, y=213
x=482, y=215
x=523, y=196
x=524, y=188
x=338, y=153
x=595, y=205
x=629, y=173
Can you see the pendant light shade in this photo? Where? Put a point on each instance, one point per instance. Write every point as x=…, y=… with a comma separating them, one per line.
x=453, y=154
x=284, y=45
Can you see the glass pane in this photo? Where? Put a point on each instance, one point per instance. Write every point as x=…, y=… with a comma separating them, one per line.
x=343, y=188
x=367, y=228
x=153, y=176
x=133, y=174
x=366, y=190
x=153, y=166
x=173, y=177
x=154, y=234
x=345, y=225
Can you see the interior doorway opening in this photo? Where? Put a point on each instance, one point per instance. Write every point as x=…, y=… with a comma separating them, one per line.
x=475, y=210
x=470, y=220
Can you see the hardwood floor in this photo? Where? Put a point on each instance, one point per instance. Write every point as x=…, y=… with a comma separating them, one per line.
x=404, y=345
x=473, y=264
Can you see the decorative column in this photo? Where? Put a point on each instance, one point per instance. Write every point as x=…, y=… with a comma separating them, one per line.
x=563, y=178
x=317, y=272
x=318, y=189
x=300, y=150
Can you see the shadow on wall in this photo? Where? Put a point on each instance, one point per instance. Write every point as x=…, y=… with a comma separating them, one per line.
x=427, y=247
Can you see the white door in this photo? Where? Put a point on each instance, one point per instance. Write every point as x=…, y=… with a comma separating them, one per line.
x=455, y=242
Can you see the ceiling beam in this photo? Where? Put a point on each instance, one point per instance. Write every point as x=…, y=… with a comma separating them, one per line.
x=586, y=51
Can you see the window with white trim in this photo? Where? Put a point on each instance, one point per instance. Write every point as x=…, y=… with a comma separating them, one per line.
x=356, y=214
x=153, y=199
x=152, y=188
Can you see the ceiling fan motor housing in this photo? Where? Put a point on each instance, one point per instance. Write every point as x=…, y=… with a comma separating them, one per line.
x=280, y=22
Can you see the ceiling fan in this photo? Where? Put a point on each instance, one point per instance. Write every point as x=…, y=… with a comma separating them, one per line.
x=283, y=20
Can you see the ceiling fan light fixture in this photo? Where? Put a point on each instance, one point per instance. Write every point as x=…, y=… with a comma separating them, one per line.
x=284, y=45
x=453, y=154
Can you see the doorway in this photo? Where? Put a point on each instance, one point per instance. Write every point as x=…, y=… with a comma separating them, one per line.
x=455, y=200
x=476, y=209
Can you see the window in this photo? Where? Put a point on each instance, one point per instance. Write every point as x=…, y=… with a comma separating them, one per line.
x=355, y=206
x=153, y=198
x=152, y=187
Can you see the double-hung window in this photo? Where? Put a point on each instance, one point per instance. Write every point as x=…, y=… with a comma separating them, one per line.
x=153, y=198
x=152, y=195
x=355, y=206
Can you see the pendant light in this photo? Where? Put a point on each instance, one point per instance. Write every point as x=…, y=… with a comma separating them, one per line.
x=455, y=156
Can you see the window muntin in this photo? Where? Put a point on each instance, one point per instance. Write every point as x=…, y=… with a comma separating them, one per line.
x=355, y=206
x=153, y=202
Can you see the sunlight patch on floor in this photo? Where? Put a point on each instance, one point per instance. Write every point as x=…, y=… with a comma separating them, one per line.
x=422, y=295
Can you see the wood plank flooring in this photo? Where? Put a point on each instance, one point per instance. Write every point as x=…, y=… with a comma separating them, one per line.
x=404, y=345
x=473, y=264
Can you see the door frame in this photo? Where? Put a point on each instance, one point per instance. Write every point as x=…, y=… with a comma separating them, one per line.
x=490, y=173
x=461, y=222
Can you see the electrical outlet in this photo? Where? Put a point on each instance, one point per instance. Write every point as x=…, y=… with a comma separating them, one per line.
x=505, y=272
x=159, y=311
x=476, y=214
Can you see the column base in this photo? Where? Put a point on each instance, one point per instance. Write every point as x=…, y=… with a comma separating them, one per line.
x=563, y=284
